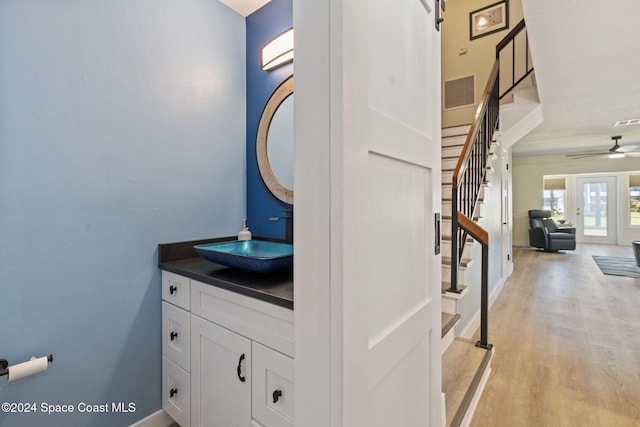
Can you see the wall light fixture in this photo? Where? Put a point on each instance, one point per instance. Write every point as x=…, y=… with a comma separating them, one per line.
x=278, y=51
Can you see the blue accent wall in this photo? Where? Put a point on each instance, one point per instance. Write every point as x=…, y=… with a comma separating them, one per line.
x=122, y=125
x=263, y=25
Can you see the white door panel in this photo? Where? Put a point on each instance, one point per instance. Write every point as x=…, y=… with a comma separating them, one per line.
x=389, y=137
x=398, y=207
x=389, y=408
x=391, y=190
x=399, y=56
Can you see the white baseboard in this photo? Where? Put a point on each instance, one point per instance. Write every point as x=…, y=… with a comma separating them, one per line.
x=444, y=410
x=157, y=419
x=474, y=324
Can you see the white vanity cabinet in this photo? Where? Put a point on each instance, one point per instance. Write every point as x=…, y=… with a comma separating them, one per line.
x=176, y=347
x=239, y=370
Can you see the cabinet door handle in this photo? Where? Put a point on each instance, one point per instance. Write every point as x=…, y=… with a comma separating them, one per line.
x=277, y=395
x=173, y=392
x=173, y=335
x=240, y=377
x=172, y=289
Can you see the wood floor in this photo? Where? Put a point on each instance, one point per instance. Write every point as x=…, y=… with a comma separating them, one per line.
x=567, y=344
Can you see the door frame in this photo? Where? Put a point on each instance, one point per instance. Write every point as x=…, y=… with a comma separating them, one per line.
x=506, y=230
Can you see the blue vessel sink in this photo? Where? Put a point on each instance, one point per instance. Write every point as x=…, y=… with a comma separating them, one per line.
x=257, y=256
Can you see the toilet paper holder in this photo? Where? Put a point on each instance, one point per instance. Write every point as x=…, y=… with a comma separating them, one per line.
x=4, y=365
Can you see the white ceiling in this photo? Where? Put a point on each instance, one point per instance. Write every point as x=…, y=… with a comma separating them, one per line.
x=245, y=7
x=586, y=56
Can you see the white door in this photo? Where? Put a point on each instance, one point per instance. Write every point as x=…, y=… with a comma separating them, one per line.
x=390, y=192
x=220, y=376
x=596, y=210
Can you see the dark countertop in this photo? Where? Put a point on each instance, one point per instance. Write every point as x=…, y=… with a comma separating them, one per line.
x=180, y=258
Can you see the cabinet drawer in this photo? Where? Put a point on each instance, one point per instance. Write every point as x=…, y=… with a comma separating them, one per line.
x=176, y=392
x=176, y=335
x=175, y=289
x=257, y=320
x=273, y=389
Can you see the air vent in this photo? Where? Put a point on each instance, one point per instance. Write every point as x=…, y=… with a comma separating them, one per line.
x=629, y=122
x=459, y=93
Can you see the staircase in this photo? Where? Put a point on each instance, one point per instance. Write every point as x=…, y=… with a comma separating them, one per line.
x=465, y=367
x=466, y=158
x=453, y=140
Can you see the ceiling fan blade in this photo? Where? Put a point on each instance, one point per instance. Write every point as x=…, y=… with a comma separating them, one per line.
x=627, y=149
x=617, y=150
x=586, y=155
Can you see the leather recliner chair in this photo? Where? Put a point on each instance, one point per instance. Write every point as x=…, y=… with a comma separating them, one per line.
x=545, y=234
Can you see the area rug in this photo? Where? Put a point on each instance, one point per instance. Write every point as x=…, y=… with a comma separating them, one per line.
x=616, y=266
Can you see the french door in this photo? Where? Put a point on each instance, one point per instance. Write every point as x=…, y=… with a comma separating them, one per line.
x=596, y=211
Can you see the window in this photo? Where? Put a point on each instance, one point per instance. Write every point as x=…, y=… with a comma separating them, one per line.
x=554, y=198
x=634, y=200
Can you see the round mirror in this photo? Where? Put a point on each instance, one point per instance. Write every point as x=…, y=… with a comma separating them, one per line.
x=274, y=142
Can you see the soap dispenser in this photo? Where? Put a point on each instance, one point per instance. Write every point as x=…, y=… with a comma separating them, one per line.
x=244, y=234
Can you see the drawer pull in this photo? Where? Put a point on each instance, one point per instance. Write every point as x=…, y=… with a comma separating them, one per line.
x=172, y=289
x=173, y=392
x=240, y=377
x=173, y=335
x=277, y=395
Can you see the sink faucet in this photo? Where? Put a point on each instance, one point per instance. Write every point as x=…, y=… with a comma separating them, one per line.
x=288, y=218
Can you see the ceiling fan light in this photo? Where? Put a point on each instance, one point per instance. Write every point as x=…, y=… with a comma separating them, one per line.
x=618, y=155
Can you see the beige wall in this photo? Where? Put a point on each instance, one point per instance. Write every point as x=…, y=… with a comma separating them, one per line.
x=478, y=61
x=480, y=52
x=528, y=173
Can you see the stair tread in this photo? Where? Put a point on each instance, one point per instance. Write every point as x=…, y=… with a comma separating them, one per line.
x=448, y=184
x=448, y=322
x=464, y=262
x=449, y=199
x=448, y=217
x=447, y=238
x=457, y=130
x=463, y=365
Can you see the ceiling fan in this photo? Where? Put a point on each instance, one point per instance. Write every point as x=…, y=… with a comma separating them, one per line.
x=615, y=152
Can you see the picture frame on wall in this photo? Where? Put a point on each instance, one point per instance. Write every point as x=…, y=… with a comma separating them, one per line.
x=489, y=19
